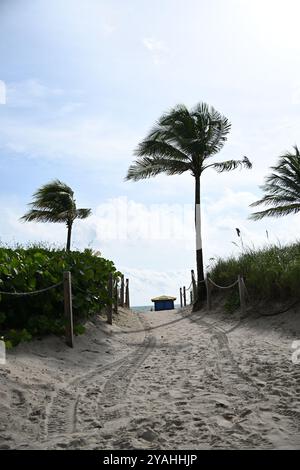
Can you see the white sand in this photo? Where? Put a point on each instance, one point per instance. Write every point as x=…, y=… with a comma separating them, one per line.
x=187, y=384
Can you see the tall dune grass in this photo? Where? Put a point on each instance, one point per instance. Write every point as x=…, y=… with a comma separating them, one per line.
x=270, y=273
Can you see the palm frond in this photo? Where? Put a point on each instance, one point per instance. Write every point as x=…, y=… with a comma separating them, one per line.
x=229, y=165
x=160, y=148
x=181, y=139
x=212, y=128
x=276, y=211
x=54, y=202
x=178, y=114
x=146, y=167
x=83, y=213
x=42, y=216
x=281, y=188
x=276, y=192
x=54, y=187
x=177, y=128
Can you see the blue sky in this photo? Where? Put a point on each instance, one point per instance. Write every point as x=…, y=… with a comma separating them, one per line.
x=84, y=82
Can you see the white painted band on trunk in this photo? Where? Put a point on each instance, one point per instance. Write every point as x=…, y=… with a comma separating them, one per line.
x=198, y=227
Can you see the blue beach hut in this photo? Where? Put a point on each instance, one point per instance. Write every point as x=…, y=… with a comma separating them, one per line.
x=163, y=302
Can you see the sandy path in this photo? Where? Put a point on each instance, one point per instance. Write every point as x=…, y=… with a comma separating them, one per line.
x=176, y=381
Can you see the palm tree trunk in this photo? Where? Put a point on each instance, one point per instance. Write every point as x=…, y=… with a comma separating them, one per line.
x=69, y=226
x=201, y=289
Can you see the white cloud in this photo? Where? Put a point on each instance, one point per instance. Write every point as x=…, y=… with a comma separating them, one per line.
x=12, y=230
x=123, y=219
x=86, y=139
x=29, y=93
x=230, y=199
x=146, y=283
x=69, y=108
x=230, y=211
x=157, y=48
x=154, y=244
x=45, y=122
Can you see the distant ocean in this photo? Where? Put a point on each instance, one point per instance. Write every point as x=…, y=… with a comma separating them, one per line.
x=142, y=308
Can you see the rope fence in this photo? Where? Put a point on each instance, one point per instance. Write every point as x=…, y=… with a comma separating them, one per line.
x=223, y=287
x=117, y=295
x=209, y=285
x=22, y=294
x=192, y=289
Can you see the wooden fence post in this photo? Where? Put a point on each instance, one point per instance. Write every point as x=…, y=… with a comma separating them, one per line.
x=191, y=297
x=208, y=289
x=242, y=295
x=122, y=291
x=194, y=286
x=184, y=296
x=116, y=297
x=181, y=304
x=68, y=308
x=127, y=299
x=110, y=295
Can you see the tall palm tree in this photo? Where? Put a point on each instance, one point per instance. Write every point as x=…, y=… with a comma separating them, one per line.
x=281, y=188
x=184, y=140
x=54, y=202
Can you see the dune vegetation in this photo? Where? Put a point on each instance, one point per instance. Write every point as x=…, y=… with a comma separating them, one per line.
x=36, y=268
x=270, y=273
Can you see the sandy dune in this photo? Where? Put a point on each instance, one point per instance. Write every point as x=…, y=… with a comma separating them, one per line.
x=175, y=381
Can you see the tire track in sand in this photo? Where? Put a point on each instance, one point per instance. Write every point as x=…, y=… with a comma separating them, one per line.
x=62, y=409
x=232, y=376
x=246, y=395
x=111, y=404
x=61, y=416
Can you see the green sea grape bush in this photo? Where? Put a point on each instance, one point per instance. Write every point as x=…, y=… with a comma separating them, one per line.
x=35, y=268
x=270, y=273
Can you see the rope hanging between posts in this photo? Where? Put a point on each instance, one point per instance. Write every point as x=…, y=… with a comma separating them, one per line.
x=191, y=284
x=22, y=294
x=192, y=289
x=242, y=290
x=223, y=287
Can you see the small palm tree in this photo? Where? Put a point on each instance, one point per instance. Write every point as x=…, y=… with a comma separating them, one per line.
x=281, y=188
x=184, y=140
x=54, y=202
